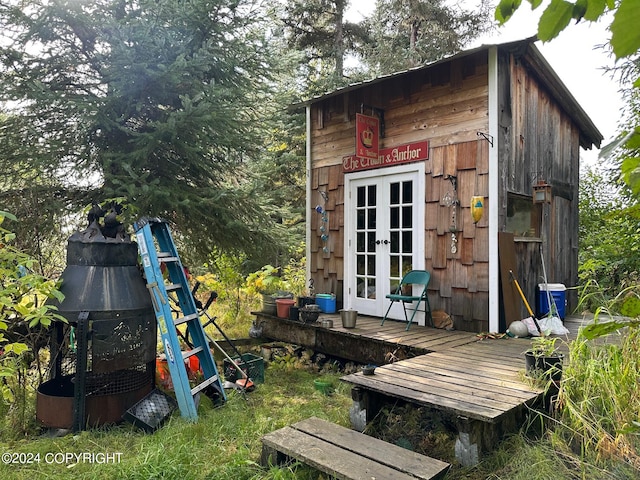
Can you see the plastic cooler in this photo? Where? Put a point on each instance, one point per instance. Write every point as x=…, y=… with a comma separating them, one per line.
x=326, y=302
x=558, y=293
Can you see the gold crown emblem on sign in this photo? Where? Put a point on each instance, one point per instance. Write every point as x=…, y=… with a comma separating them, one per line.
x=367, y=138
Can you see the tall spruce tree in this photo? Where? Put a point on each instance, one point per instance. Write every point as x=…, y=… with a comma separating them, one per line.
x=318, y=28
x=410, y=33
x=154, y=102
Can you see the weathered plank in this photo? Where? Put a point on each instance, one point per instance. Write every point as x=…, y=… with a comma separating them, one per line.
x=481, y=367
x=498, y=388
x=347, y=454
x=445, y=344
x=385, y=385
x=420, y=466
x=456, y=392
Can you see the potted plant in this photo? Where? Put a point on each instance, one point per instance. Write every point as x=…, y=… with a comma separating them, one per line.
x=268, y=283
x=543, y=359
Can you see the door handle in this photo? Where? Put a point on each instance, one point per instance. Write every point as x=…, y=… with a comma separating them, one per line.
x=386, y=242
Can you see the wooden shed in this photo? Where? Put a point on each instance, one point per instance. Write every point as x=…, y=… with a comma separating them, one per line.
x=491, y=125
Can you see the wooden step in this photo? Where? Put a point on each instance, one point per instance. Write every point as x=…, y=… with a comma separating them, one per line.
x=346, y=454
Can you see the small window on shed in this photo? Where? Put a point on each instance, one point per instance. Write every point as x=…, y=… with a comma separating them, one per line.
x=523, y=216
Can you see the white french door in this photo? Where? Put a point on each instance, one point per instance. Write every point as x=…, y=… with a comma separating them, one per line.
x=384, y=235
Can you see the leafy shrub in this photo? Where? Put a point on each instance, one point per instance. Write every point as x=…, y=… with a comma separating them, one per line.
x=23, y=311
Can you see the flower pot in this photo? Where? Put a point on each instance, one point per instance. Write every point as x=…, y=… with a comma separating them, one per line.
x=544, y=366
x=283, y=305
x=294, y=313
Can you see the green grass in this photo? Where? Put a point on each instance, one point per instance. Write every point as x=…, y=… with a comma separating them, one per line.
x=223, y=444
x=599, y=400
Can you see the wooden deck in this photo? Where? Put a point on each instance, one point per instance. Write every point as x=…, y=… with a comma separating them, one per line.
x=473, y=382
x=368, y=342
x=478, y=383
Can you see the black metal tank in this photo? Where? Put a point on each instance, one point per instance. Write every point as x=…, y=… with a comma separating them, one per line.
x=103, y=359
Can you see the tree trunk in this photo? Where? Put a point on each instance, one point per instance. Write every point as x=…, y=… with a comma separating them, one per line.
x=339, y=40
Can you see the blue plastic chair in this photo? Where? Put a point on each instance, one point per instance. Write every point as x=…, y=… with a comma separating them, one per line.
x=414, y=277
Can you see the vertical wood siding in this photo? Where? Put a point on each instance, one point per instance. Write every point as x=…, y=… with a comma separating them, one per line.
x=542, y=142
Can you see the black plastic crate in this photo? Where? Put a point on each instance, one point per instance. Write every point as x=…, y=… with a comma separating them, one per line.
x=152, y=411
x=250, y=364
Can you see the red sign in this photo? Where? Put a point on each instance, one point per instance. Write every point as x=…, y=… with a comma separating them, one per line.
x=367, y=136
x=410, y=152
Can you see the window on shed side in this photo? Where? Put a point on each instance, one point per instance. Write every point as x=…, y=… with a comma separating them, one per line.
x=523, y=216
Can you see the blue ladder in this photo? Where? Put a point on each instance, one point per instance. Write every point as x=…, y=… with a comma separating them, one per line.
x=153, y=253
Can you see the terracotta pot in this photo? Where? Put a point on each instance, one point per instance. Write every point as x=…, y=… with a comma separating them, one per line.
x=283, y=305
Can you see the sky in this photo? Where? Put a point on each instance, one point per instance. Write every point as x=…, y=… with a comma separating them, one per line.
x=574, y=57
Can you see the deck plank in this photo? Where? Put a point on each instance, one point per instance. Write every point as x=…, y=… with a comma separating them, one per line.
x=453, y=391
x=506, y=364
x=386, y=385
x=480, y=369
x=487, y=375
x=469, y=381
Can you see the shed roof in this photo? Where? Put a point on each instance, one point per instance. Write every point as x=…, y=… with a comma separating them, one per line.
x=535, y=62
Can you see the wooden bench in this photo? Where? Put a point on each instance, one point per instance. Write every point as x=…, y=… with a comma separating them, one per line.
x=346, y=454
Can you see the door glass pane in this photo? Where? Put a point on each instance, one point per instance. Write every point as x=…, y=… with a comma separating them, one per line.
x=360, y=265
x=360, y=202
x=360, y=219
x=371, y=242
x=407, y=217
x=360, y=238
x=371, y=289
x=407, y=245
x=394, y=194
x=395, y=242
x=395, y=266
x=372, y=195
x=371, y=264
x=407, y=192
x=394, y=217
x=371, y=218
x=407, y=264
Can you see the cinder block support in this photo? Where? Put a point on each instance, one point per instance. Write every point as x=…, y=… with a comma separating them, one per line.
x=476, y=437
x=365, y=407
x=471, y=440
x=466, y=451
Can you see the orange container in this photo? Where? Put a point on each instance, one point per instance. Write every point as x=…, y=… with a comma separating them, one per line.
x=283, y=305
